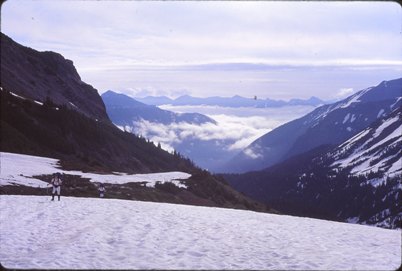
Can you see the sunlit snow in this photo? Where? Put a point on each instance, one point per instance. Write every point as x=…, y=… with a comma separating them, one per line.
x=380, y=113
x=385, y=124
x=93, y=233
x=346, y=118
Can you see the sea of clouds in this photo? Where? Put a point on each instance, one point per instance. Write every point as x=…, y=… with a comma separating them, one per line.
x=235, y=128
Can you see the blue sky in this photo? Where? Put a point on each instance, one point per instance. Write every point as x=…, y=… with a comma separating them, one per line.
x=277, y=50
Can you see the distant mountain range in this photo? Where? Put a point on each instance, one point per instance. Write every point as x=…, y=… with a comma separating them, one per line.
x=124, y=110
x=345, y=165
x=235, y=101
x=327, y=124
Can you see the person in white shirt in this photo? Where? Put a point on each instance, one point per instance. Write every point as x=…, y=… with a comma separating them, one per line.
x=56, y=183
x=102, y=191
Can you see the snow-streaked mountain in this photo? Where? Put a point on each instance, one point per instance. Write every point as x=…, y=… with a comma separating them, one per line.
x=88, y=233
x=357, y=181
x=378, y=148
x=328, y=124
x=235, y=101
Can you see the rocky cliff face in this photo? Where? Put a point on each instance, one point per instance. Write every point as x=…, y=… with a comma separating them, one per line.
x=42, y=75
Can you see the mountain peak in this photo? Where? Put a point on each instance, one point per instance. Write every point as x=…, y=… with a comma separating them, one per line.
x=185, y=96
x=46, y=75
x=111, y=98
x=238, y=97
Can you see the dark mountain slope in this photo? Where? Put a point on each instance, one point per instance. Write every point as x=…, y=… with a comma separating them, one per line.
x=39, y=75
x=60, y=132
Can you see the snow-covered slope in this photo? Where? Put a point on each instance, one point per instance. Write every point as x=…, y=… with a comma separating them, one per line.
x=19, y=169
x=83, y=233
x=375, y=149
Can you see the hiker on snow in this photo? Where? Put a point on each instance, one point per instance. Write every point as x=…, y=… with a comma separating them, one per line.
x=56, y=183
x=102, y=190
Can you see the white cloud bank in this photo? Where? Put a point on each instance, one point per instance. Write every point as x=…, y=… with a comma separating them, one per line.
x=236, y=128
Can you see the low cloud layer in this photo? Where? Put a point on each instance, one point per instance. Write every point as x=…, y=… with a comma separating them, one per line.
x=236, y=128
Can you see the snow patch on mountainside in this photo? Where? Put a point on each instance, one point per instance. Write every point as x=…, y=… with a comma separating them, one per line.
x=20, y=169
x=396, y=103
x=327, y=109
x=357, y=137
x=384, y=125
x=92, y=233
x=346, y=118
x=23, y=98
x=371, y=154
x=343, y=104
x=353, y=99
x=380, y=113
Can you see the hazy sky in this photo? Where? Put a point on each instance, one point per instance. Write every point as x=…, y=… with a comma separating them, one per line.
x=279, y=50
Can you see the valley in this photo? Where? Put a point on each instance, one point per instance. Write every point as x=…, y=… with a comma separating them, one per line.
x=200, y=135
x=211, y=137
x=337, y=161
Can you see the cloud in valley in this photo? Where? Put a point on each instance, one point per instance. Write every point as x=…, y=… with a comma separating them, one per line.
x=236, y=128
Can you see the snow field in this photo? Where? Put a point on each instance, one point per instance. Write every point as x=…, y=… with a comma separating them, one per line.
x=88, y=233
x=19, y=169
